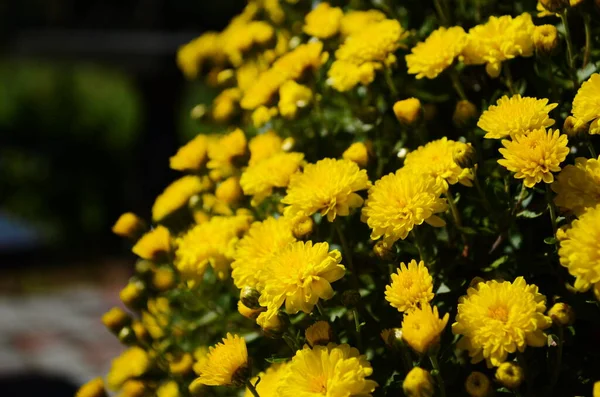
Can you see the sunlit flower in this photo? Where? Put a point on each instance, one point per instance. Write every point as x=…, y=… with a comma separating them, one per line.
x=319, y=333
x=357, y=152
x=323, y=21
x=437, y=52
x=355, y=21
x=300, y=274
x=222, y=153
x=192, y=155
x=229, y=191
x=422, y=328
x=191, y=56
x=586, y=105
x=132, y=363
x=262, y=115
x=262, y=241
x=500, y=39
x=293, y=96
x=176, y=195
x=478, y=385
x=115, y=319
x=515, y=115
x=258, y=180
x=545, y=38
x=436, y=158
x=269, y=381
x=498, y=318
x=408, y=111
x=210, y=243
x=580, y=251
x=226, y=364
x=418, y=383
x=577, y=186
x=154, y=244
x=510, y=375
x=264, y=146
x=93, y=388
x=398, y=202
x=535, y=156
x=225, y=105
x=328, y=187
x=344, y=76
x=411, y=286
x=327, y=370
x=129, y=225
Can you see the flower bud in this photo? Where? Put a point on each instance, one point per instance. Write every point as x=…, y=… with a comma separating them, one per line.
x=133, y=293
x=573, y=127
x=510, y=375
x=226, y=77
x=288, y=144
x=392, y=337
x=129, y=225
x=418, y=383
x=249, y=297
x=133, y=388
x=127, y=336
x=545, y=39
x=555, y=5
x=351, y=298
x=93, y=388
x=143, y=267
x=465, y=113
x=140, y=331
x=382, y=250
x=358, y=153
x=478, y=385
x=464, y=155
x=251, y=314
x=273, y=324
x=408, y=111
x=198, y=112
x=562, y=314
x=163, y=279
x=181, y=365
x=115, y=319
x=303, y=227
x=319, y=333
x=229, y=191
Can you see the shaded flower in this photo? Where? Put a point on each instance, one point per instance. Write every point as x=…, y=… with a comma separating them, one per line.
x=577, y=186
x=319, y=333
x=478, y=385
x=586, y=105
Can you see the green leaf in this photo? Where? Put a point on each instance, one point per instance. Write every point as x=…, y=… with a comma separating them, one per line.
x=529, y=214
x=550, y=240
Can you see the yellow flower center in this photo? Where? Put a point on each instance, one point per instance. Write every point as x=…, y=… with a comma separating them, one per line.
x=499, y=313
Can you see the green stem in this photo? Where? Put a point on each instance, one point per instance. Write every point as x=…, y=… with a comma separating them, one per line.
x=418, y=244
x=390, y=82
x=291, y=342
x=252, y=389
x=439, y=7
x=457, y=84
x=347, y=253
x=588, y=39
x=552, y=210
x=559, y=353
x=508, y=80
x=519, y=200
x=320, y=309
x=453, y=209
x=590, y=147
x=570, y=52
x=437, y=374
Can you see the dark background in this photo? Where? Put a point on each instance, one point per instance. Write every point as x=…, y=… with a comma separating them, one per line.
x=91, y=107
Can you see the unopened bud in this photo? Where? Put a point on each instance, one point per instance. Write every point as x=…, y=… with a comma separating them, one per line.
x=510, y=375
x=229, y=191
x=129, y=225
x=273, y=324
x=392, y=337
x=478, y=385
x=555, y=5
x=358, y=153
x=408, y=111
x=464, y=155
x=115, y=319
x=573, y=127
x=418, y=382
x=163, y=279
x=249, y=297
x=251, y=314
x=545, y=39
x=562, y=314
x=127, y=336
x=140, y=331
x=319, y=333
x=198, y=112
x=465, y=113
x=382, y=250
x=133, y=293
x=225, y=77
x=303, y=227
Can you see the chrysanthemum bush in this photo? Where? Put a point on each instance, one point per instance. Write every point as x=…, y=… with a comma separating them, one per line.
x=399, y=198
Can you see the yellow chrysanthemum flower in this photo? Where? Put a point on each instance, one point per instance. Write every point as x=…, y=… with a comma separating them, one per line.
x=437, y=52
x=328, y=187
x=133, y=388
x=535, y=156
x=412, y=286
x=225, y=105
x=155, y=243
x=262, y=241
x=293, y=96
x=93, y=388
x=545, y=38
x=516, y=115
x=498, y=318
x=355, y=21
x=580, y=251
x=168, y=389
x=300, y=274
x=132, y=363
x=269, y=381
x=264, y=146
x=510, y=375
x=498, y=40
x=364, y=52
x=225, y=364
x=586, y=105
x=398, y=202
x=176, y=195
x=262, y=115
x=259, y=180
x=319, y=333
x=200, y=355
x=333, y=370
x=357, y=152
x=192, y=55
x=129, y=225
x=210, y=243
x=323, y=21
x=229, y=191
x=418, y=383
x=408, y=111
x=223, y=152
x=192, y=155
x=478, y=385
x=436, y=158
x=422, y=328
x=577, y=186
